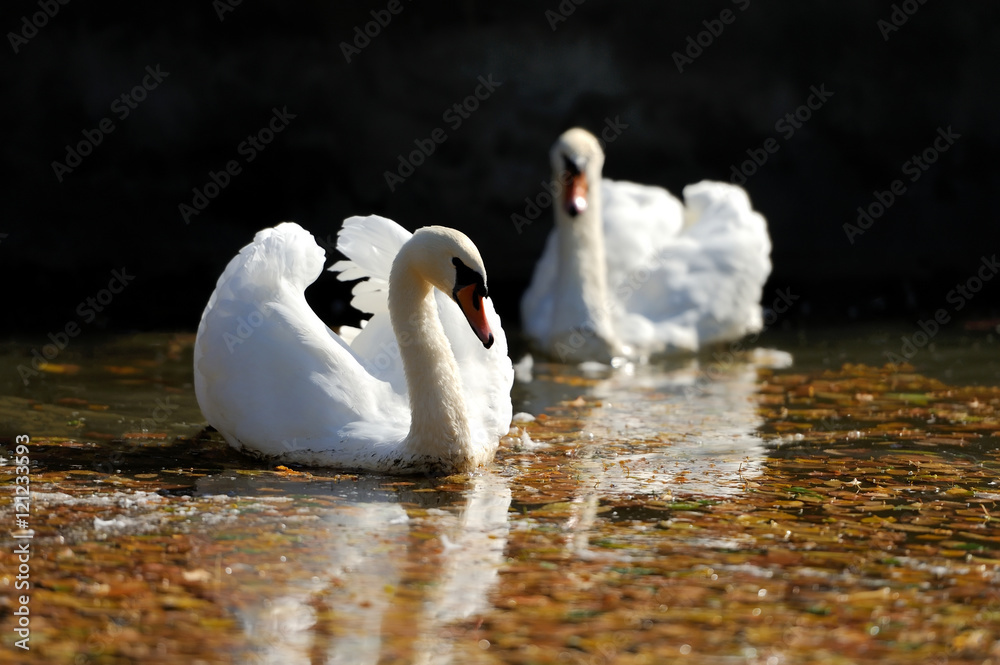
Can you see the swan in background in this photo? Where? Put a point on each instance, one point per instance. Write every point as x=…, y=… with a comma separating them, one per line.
x=630, y=271
x=416, y=391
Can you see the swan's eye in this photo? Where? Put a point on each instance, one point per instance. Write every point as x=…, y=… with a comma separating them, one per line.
x=571, y=166
x=464, y=276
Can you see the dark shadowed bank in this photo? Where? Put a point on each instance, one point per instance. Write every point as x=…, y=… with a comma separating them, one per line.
x=145, y=143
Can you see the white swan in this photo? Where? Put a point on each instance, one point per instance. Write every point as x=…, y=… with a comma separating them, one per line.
x=630, y=271
x=414, y=392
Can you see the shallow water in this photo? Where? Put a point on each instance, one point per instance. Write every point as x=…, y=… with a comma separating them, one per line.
x=699, y=510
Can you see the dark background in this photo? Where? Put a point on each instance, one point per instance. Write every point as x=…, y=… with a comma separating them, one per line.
x=119, y=208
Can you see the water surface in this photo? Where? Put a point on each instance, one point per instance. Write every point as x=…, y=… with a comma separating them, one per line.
x=708, y=510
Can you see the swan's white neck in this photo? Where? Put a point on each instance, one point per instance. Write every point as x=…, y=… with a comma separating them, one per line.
x=439, y=426
x=581, y=315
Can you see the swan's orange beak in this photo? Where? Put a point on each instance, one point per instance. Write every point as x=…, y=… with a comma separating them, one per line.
x=472, y=306
x=575, y=195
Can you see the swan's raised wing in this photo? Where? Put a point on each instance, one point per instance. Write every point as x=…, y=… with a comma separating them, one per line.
x=370, y=245
x=697, y=281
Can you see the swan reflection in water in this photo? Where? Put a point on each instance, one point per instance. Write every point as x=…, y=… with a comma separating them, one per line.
x=389, y=570
x=684, y=429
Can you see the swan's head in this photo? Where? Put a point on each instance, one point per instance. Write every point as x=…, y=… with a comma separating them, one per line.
x=577, y=160
x=451, y=263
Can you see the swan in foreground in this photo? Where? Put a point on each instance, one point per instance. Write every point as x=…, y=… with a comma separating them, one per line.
x=630, y=271
x=415, y=391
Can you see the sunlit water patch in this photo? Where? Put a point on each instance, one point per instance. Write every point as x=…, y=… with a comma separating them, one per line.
x=653, y=430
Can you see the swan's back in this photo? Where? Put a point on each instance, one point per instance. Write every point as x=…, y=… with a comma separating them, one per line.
x=283, y=256
x=269, y=374
x=690, y=277
x=636, y=219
